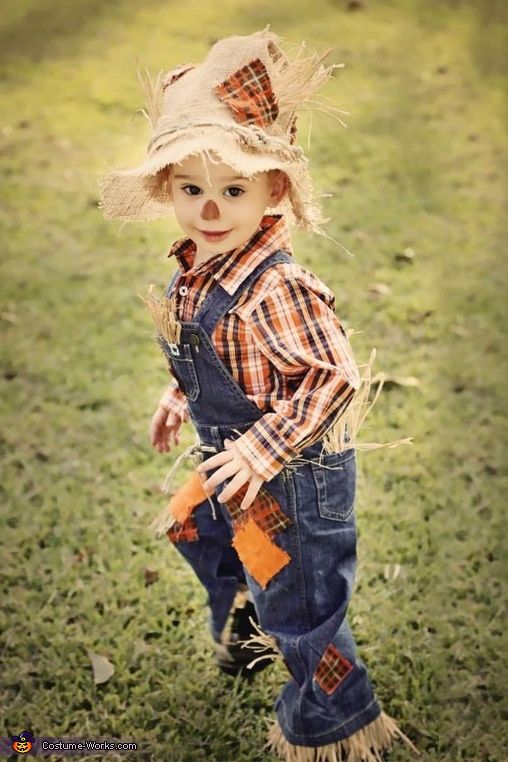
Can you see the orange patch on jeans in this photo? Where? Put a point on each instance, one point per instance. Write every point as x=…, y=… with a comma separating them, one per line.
x=262, y=558
x=332, y=669
x=188, y=497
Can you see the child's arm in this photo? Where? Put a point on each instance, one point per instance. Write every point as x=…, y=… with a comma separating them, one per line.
x=167, y=419
x=175, y=402
x=295, y=326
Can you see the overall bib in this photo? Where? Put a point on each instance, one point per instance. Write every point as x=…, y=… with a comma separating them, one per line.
x=303, y=605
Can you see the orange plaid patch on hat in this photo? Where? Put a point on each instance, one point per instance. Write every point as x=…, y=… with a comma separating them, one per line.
x=248, y=93
x=262, y=558
x=332, y=669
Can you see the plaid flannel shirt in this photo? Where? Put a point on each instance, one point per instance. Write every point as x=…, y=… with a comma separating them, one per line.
x=282, y=343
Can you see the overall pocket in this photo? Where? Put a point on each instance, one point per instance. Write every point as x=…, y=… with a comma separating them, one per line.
x=182, y=367
x=335, y=479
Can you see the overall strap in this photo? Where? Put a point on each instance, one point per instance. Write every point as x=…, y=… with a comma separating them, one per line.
x=218, y=302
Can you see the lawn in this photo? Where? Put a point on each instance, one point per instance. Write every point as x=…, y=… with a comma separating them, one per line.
x=419, y=197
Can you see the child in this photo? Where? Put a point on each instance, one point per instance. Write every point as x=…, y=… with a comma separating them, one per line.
x=264, y=370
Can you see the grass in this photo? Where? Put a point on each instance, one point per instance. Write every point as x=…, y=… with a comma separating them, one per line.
x=421, y=166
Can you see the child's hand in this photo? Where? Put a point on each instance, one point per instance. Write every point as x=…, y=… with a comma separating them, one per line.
x=232, y=465
x=164, y=429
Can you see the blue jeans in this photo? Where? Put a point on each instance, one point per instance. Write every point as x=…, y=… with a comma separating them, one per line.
x=329, y=695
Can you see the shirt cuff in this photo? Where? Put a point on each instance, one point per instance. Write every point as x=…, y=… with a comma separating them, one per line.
x=175, y=403
x=257, y=452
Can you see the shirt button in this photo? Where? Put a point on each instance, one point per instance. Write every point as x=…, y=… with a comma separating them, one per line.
x=183, y=290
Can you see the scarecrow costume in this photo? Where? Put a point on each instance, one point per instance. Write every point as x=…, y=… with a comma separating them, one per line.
x=259, y=357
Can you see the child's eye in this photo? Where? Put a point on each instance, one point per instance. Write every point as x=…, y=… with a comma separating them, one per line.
x=193, y=190
x=235, y=191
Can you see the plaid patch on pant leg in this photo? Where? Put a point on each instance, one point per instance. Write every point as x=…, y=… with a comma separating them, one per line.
x=262, y=558
x=248, y=93
x=186, y=532
x=267, y=515
x=265, y=511
x=332, y=669
x=233, y=504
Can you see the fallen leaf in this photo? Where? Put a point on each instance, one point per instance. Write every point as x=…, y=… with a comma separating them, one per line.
x=151, y=576
x=102, y=668
x=8, y=317
x=407, y=255
x=420, y=316
x=391, y=571
x=380, y=289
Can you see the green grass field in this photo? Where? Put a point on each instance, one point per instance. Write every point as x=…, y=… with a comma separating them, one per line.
x=422, y=166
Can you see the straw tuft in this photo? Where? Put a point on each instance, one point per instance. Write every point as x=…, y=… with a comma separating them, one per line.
x=366, y=745
x=261, y=643
x=356, y=413
x=163, y=312
x=152, y=90
x=295, y=81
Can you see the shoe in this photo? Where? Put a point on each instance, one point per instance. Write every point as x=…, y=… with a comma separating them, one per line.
x=230, y=656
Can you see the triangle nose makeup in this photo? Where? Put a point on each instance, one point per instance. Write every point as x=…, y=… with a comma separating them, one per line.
x=210, y=210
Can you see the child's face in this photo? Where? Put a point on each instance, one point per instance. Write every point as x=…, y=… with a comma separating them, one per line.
x=231, y=206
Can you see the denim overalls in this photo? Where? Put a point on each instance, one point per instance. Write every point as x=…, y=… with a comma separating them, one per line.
x=329, y=695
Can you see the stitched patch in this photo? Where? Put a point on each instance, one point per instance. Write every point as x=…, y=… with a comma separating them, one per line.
x=265, y=511
x=332, y=669
x=268, y=516
x=186, y=532
x=188, y=497
x=248, y=93
x=233, y=504
x=262, y=558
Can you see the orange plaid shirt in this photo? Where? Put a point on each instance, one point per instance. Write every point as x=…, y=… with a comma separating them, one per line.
x=281, y=342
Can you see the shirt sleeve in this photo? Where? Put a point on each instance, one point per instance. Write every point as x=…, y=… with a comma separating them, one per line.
x=175, y=402
x=301, y=336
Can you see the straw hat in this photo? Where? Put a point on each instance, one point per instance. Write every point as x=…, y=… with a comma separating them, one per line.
x=240, y=107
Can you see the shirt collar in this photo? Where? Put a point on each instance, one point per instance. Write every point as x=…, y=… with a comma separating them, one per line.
x=232, y=267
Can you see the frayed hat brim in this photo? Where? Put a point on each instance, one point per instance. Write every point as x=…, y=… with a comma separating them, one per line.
x=143, y=193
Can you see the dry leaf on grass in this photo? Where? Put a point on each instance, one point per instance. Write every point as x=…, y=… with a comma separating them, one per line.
x=380, y=289
x=102, y=668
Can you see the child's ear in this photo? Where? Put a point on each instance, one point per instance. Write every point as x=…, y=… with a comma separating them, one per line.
x=280, y=186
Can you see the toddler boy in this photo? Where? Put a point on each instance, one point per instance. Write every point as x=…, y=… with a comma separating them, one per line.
x=263, y=369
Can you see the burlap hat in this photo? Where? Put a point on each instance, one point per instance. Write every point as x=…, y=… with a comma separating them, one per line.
x=239, y=106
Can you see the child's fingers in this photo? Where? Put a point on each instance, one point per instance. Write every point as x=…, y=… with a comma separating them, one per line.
x=227, y=470
x=224, y=456
x=234, y=485
x=252, y=490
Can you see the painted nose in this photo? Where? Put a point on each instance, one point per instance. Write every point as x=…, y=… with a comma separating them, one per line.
x=210, y=210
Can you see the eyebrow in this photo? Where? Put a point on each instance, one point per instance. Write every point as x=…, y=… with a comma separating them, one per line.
x=221, y=179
